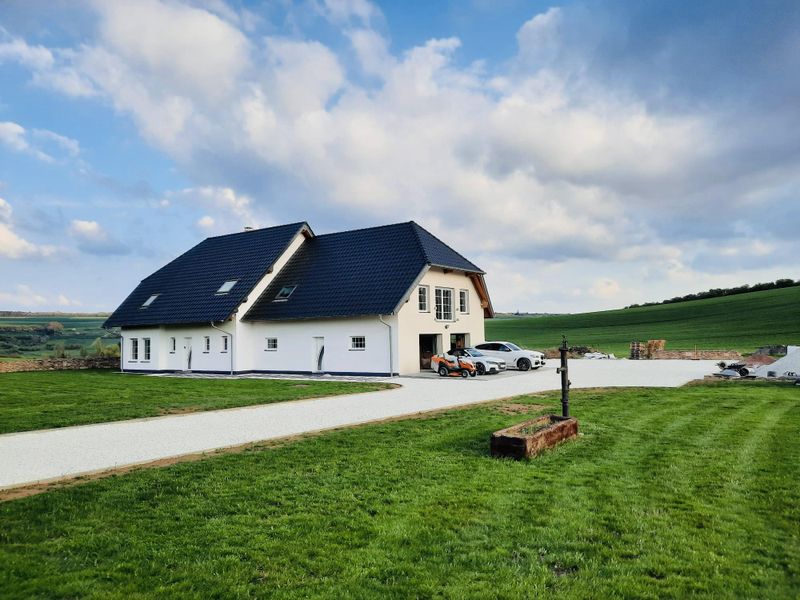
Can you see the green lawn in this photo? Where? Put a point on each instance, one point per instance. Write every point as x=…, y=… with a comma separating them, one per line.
x=741, y=322
x=39, y=400
x=669, y=493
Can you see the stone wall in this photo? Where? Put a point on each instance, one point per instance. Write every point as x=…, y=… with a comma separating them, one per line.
x=59, y=364
x=695, y=355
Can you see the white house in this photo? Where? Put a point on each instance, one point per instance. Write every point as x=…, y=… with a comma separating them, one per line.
x=282, y=299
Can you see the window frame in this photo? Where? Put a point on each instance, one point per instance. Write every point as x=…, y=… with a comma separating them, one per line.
x=427, y=307
x=354, y=347
x=147, y=303
x=146, y=349
x=463, y=308
x=224, y=345
x=439, y=303
x=206, y=344
x=279, y=297
x=173, y=345
x=134, y=350
x=271, y=341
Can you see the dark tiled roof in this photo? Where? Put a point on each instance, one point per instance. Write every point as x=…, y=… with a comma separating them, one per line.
x=361, y=272
x=187, y=286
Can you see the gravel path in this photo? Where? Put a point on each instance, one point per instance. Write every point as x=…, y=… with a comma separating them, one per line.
x=38, y=456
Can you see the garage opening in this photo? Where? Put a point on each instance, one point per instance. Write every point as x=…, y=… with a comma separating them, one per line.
x=427, y=348
x=459, y=340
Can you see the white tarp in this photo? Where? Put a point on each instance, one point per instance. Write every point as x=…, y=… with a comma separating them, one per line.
x=788, y=366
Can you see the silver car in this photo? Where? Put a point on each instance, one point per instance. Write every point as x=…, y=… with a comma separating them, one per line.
x=515, y=357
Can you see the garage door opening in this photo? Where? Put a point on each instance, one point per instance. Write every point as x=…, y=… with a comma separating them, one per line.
x=427, y=348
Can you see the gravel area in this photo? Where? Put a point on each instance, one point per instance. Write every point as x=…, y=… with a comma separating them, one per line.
x=38, y=456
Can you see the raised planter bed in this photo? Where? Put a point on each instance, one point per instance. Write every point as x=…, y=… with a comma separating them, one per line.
x=528, y=439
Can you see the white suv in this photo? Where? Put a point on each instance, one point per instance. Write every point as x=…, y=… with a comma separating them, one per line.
x=515, y=357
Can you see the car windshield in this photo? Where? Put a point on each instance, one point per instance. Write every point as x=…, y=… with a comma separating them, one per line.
x=514, y=347
x=473, y=352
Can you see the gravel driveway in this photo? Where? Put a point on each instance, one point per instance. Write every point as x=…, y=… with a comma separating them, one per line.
x=38, y=456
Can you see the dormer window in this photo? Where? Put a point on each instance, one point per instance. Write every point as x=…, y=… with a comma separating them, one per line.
x=149, y=301
x=227, y=286
x=285, y=293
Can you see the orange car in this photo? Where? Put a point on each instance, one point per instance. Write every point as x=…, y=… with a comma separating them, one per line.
x=448, y=365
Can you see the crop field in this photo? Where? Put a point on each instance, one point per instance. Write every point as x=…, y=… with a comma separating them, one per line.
x=28, y=337
x=668, y=493
x=742, y=323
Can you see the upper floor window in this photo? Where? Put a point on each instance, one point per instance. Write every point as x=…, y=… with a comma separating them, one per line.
x=150, y=300
x=146, y=348
x=272, y=343
x=227, y=286
x=134, y=348
x=206, y=343
x=285, y=292
x=463, y=301
x=444, y=304
x=224, y=343
x=358, y=342
x=422, y=298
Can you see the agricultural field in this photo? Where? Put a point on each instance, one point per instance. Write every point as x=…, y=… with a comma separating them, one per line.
x=743, y=322
x=668, y=493
x=64, y=398
x=29, y=336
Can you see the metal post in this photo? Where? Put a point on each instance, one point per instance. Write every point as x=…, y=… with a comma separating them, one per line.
x=565, y=383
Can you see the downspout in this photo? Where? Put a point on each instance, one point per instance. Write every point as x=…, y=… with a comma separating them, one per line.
x=391, y=354
x=230, y=347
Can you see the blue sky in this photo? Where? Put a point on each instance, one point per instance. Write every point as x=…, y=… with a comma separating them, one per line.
x=587, y=155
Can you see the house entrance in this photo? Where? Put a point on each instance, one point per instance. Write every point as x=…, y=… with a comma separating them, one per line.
x=427, y=348
x=458, y=340
x=187, y=354
x=319, y=355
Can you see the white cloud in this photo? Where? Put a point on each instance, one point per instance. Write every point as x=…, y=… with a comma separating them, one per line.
x=12, y=245
x=206, y=223
x=15, y=137
x=63, y=300
x=92, y=238
x=22, y=296
x=37, y=58
x=232, y=211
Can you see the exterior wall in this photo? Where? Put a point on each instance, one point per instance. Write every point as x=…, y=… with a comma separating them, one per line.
x=412, y=322
x=297, y=346
x=162, y=358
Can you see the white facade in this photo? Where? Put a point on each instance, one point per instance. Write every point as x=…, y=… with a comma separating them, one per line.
x=453, y=315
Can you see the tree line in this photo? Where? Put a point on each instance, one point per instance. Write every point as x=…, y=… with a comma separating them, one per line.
x=718, y=292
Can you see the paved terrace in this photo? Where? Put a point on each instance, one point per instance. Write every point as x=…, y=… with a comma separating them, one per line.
x=40, y=456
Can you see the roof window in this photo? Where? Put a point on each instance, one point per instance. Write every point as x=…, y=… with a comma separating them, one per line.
x=285, y=292
x=149, y=301
x=227, y=286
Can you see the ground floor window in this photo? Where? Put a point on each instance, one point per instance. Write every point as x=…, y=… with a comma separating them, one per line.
x=224, y=343
x=272, y=343
x=172, y=345
x=207, y=343
x=358, y=342
x=134, y=348
x=146, y=348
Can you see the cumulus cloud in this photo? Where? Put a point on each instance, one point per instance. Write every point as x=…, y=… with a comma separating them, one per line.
x=586, y=147
x=12, y=245
x=23, y=296
x=92, y=238
x=15, y=137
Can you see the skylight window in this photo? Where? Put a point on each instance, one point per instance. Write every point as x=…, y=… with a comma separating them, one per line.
x=227, y=286
x=285, y=293
x=150, y=300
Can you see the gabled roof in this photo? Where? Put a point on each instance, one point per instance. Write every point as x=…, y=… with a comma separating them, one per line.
x=187, y=287
x=352, y=273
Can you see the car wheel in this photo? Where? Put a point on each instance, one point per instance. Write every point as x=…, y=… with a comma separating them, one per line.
x=523, y=364
x=464, y=374
x=473, y=373
x=481, y=368
x=443, y=371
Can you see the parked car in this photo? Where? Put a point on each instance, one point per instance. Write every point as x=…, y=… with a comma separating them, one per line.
x=515, y=357
x=484, y=364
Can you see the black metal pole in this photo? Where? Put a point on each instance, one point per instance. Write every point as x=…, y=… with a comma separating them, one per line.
x=564, y=371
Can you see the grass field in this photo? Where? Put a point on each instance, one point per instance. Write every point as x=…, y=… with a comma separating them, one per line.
x=669, y=493
x=39, y=400
x=741, y=322
x=78, y=331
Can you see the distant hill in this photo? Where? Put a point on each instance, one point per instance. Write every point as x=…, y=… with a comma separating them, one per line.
x=740, y=322
x=22, y=313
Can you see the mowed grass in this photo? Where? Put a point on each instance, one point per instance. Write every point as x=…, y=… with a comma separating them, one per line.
x=669, y=493
x=40, y=400
x=742, y=323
